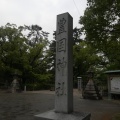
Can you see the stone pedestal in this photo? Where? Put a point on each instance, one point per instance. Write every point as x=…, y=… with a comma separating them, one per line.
x=52, y=115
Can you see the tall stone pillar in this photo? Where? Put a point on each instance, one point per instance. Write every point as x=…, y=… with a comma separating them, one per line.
x=64, y=74
x=64, y=64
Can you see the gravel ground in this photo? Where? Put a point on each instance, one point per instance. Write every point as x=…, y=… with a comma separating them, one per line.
x=23, y=106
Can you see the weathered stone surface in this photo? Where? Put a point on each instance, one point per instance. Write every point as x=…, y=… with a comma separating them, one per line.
x=64, y=74
x=51, y=115
x=91, y=91
x=64, y=64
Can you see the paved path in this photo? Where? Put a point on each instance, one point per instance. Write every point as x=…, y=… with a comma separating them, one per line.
x=23, y=106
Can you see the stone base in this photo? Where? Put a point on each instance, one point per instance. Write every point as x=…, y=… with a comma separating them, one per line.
x=51, y=115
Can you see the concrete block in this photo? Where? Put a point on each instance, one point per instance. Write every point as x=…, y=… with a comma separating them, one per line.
x=52, y=115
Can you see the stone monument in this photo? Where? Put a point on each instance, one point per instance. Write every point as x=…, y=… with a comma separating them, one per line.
x=15, y=85
x=64, y=74
x=91, y=90
x=64, y=64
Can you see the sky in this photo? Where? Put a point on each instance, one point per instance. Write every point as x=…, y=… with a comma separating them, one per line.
x=40, y=12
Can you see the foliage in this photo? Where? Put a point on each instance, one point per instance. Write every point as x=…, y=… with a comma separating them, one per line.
x=84, y=57
x=51, y=59
x=76, y=35
x=23, y=48
x=101, y=26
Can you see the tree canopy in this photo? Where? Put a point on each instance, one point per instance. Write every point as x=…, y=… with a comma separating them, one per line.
x=24, y=49
x=101, y=26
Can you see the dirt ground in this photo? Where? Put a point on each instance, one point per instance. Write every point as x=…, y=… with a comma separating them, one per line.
x=23, y=106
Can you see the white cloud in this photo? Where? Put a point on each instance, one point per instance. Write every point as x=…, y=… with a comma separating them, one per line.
x=41, y=12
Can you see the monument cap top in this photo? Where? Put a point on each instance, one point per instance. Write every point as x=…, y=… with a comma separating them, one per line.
x=63, y=14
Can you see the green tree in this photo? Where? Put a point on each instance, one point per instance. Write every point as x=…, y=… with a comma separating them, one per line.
x=76, y=35
x=84, y=57
x=24, y=48
x=12, y=50
x=51, y=55
x=101, y=26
